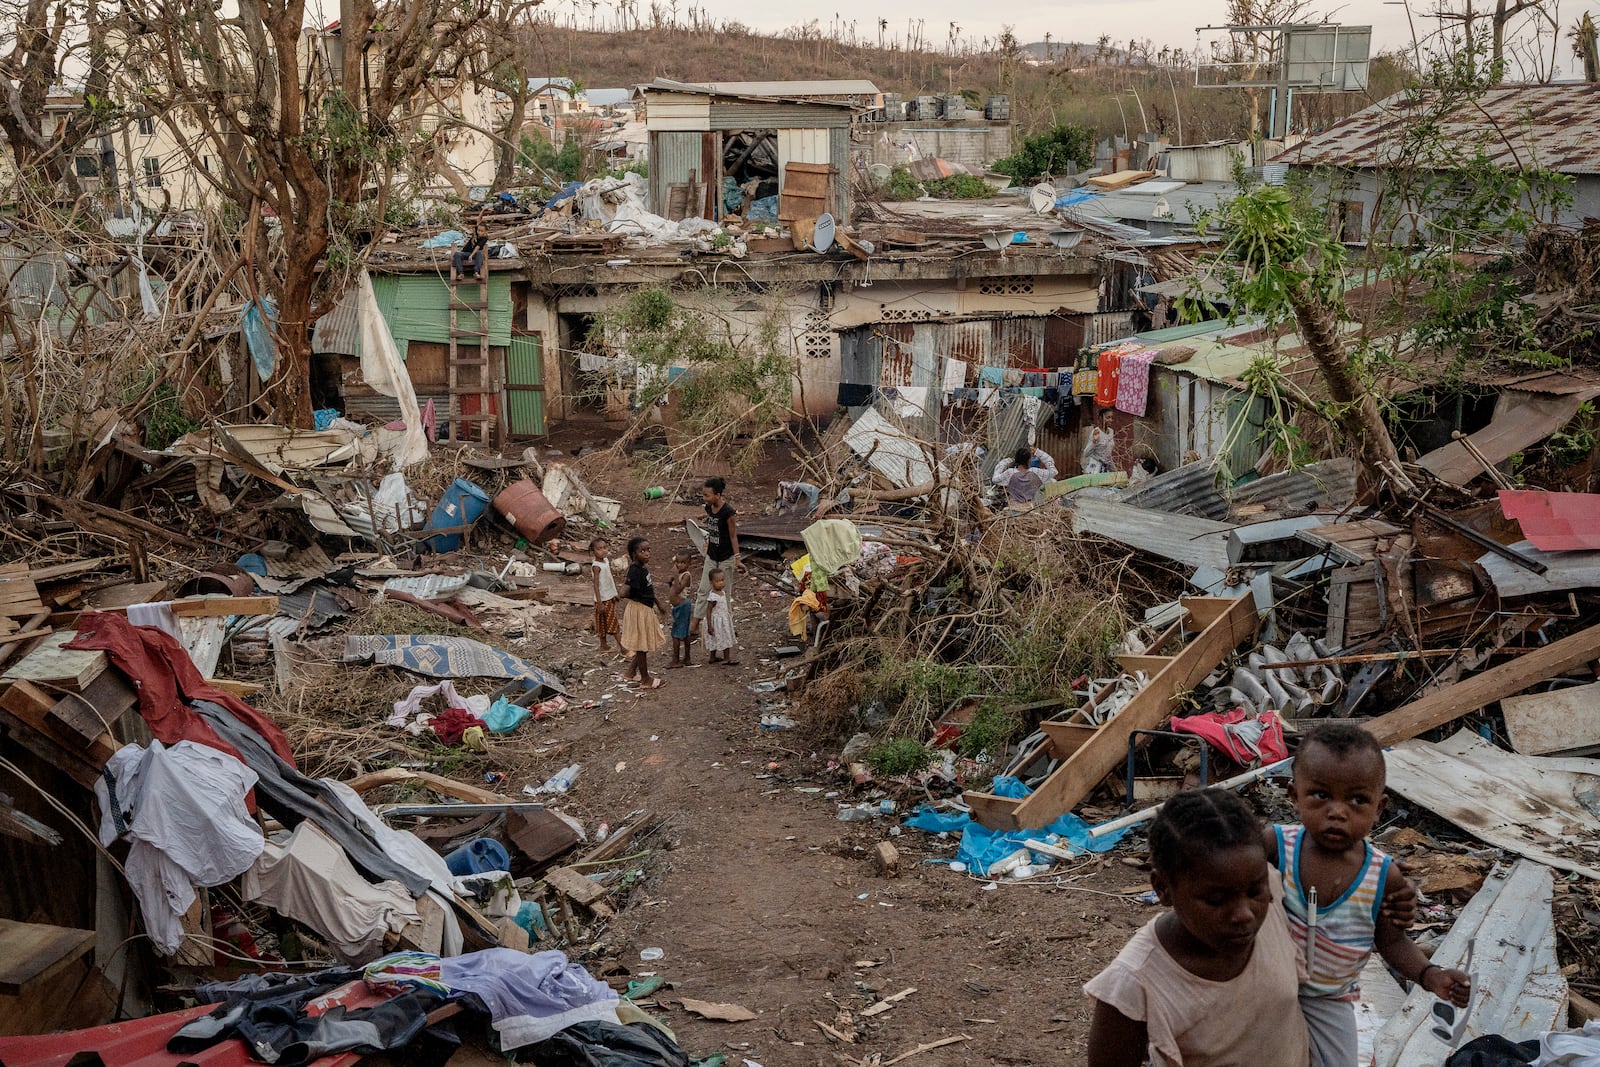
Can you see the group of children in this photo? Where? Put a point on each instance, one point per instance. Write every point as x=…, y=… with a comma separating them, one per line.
x=1251, y=969
x=645, y=615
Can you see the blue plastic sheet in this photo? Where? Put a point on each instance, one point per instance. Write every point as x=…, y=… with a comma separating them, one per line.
x=324, y=417
x=1077, y=196
x=764, y=210
x=981, y=847
x=260, y=316
x=567, y=192
x=504, y=716
x=447, y=239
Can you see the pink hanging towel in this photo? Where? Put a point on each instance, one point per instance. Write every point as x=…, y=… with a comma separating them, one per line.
x=1133, y=383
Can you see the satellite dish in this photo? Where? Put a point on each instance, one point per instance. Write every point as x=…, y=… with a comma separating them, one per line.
x=880, y=173
x=822, y=239
x=1162, y=209
x=1042, y=198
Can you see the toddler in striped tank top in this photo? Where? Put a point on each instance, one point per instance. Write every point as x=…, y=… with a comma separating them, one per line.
x=1344, y=897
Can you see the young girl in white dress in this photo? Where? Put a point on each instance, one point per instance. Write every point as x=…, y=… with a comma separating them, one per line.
x=719, y=620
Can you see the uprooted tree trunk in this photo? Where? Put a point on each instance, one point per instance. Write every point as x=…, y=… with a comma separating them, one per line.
x=1355, y=408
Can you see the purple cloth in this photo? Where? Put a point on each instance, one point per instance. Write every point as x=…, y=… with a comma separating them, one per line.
x=529, y=996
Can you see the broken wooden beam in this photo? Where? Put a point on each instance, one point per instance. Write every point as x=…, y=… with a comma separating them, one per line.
x=202, y=607
x=1479, y=691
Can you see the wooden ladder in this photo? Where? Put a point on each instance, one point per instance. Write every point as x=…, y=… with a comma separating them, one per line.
x=469, y=347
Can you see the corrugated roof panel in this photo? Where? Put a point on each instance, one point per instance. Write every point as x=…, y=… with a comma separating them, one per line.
x=1187, y=490
x=1555, y=522
x=1556, y=127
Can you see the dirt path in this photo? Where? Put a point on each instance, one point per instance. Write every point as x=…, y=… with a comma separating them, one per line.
x=765, y=899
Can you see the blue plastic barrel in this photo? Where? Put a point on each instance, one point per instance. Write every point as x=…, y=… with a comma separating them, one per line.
x=457, y=510
x=477, y=857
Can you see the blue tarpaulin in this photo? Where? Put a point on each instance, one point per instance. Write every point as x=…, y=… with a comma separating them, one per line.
x=260, y=316
x=447, y=239
x=567, y=192
x=1077, y=196
x=981, y=847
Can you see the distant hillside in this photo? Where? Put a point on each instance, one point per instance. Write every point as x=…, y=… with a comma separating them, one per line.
x=1106, y=89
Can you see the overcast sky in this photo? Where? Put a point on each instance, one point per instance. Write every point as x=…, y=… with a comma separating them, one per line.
x=1166, y=22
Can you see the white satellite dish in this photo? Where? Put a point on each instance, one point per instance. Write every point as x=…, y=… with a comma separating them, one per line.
x=822, y=238
x=880, y=173
x=1042, y=198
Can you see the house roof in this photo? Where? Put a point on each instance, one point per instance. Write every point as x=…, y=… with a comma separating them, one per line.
x=608, y=97
x=1556, y=127
x=793, y=92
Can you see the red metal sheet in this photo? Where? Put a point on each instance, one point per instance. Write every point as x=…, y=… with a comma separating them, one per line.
x=1555, y=522
x=143, y=1042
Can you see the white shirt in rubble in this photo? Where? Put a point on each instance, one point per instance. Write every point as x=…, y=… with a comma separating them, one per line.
x=183, y=809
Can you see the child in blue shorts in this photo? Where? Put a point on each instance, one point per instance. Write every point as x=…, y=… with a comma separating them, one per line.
x=682, y=608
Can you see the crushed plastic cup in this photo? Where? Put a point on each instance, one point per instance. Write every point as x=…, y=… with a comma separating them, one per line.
x=650, y=955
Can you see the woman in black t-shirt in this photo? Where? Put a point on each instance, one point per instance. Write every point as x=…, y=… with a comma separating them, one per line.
x=643, y=615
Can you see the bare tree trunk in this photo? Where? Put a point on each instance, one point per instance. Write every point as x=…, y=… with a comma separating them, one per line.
x=1355, y=407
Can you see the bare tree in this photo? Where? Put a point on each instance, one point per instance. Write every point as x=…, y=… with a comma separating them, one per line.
x=310, y=130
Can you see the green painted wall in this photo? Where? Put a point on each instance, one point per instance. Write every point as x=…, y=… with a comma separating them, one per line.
x=417, y=307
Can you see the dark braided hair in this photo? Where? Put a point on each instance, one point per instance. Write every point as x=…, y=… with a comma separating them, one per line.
x=1197, y=822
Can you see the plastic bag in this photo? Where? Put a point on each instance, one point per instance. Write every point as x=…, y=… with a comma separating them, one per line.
x=504, y=716
x=599, y=1044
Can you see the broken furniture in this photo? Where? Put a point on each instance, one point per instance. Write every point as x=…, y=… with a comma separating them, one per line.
x=1088, y=749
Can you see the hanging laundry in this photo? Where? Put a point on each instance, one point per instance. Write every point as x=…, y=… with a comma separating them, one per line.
x=991, y=375
x=1085, y=382
x=955, y=374
x=1106, y=388
x=1133, y=383
x=852, y=395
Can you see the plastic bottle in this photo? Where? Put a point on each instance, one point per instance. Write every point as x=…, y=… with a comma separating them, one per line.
x=562, y=780
x=855, y=813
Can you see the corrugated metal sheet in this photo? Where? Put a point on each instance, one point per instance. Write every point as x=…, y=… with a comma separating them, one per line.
x=1516, y=126
x=1017, y=342
x=1555, y=522
x=966, y=341
x=897, y=363
x=1520, y=420
x=673, y=156
x=338, y=332
x=417, y=307
x=1187, y=490
x=1327, y=485
x=1206, y=163
x=789, y=90
x=1185, y=539
x=772, y=115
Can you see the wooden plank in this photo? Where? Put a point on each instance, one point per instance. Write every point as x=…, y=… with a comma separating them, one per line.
x=1481, y=690
x=119, y=597
x=1151, y=665
x=234, y=687
x=31, y=706
x=87, y=715
x=226, y=605
x=32, y=953
x=19, y=596
x=1067, y=737
x=51, y=664
x=570, y=883
x=24, y=635
x=992, y=810
x=1072, y=781
x=1563, y=720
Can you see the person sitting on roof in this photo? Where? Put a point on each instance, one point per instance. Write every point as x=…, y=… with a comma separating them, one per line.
x=1023, y=475
x=473, y=252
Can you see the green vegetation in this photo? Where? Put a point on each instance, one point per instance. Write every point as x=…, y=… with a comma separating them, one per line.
x=958, y=187
x=990, y=731
x=164, y=420
x=1049, y=153
x=898, y=758
x=902, y=186
x=566, y=163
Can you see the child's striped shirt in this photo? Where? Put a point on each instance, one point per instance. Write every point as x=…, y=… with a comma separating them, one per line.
x=1346, y=927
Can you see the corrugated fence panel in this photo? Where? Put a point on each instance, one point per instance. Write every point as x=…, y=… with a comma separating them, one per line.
x=1017, y=342
x=672, y=157
x=802, y=146
x=966, y=341
x=898, y=361
x=760, y=115
x=417, y=307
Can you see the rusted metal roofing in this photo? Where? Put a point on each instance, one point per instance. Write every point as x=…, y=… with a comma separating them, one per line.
x=1555, y=522
x=1556, y=127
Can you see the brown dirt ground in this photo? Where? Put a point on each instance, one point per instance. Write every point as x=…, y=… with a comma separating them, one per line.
x=761, y=897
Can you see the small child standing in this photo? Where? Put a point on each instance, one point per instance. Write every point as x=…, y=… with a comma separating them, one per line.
x=643, y=616
x=1343, y=897
x=682, y=608
x=1210, y=983
x=605, y=593
x=719, y=620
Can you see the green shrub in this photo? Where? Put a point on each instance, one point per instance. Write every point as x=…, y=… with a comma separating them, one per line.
x=902, y=186
x=898, y=758
x=1049, y=153
x=958, y=187
x=990, y=731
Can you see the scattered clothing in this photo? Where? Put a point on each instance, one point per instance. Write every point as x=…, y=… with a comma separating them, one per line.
x=183, y=808
x=296, y=1022
x=401, y=970
x=1494, y=1051
x=292, y=798
x=1243, y=738
x=1346, y=927
x=406, y=709
x=311, y=880
x=1196, y=1023
x=799, y=608
x=833, y=545
x=1571, y=1049
x=606, y=1044
x=453, y=723
x=719, y=623
x=529, y=996
x=445, y=657
x=167, y=682
x=1133, y=383
x=158, y=615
